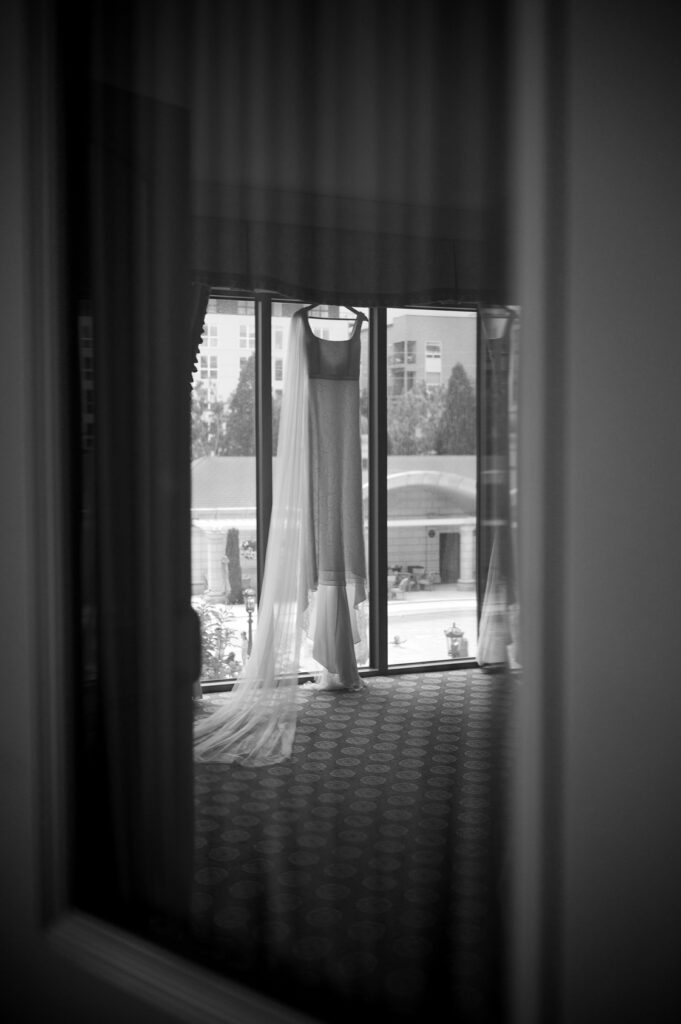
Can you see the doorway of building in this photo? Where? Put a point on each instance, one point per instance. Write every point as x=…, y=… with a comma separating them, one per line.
x=450, y=557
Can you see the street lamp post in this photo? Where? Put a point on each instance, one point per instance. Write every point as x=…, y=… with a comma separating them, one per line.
x=249, y=601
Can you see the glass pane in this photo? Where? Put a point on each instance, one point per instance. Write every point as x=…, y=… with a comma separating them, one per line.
x=224, y=539
x=432, y=492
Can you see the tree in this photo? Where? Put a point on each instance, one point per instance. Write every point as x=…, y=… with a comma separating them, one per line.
x=413, y=420
x=228, y=428
x=208, y=423
x=217, y=634
x=233, y=553
x=457, y=431
x=240, y=419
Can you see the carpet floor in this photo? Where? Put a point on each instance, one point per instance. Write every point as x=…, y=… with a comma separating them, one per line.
x=365, y=877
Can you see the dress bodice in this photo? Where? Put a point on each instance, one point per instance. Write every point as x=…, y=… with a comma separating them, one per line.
x=332, y=360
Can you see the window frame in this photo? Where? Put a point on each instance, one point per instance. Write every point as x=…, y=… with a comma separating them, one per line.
x=267, y=307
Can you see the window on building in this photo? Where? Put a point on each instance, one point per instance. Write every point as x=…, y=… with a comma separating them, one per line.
x=220, y=304
x=247, y=336
x=402, y=359
x=208, y=367
x=433, y=365
x=210, y=334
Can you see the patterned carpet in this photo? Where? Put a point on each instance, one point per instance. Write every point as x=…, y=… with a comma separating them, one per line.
x=365, y=876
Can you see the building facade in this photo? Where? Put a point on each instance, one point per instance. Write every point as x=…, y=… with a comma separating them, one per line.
x=431, y=517
x=423, y=345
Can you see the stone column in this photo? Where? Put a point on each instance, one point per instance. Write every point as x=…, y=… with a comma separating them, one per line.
x=467, y=554
x=216, y=548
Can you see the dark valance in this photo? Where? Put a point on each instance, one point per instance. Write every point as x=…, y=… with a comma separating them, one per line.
x=338, y=264
x=339, y=156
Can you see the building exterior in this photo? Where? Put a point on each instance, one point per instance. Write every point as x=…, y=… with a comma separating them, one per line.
x=423, y=345
x=431, y=516
x=228, y=342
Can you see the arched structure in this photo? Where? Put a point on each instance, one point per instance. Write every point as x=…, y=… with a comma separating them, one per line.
x=457, y=490
x=431, y=523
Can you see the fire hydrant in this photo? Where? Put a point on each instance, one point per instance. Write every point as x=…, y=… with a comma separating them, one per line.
x=457, y=645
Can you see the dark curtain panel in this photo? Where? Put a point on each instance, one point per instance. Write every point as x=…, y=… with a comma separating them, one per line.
x=126, y=159
x=333, y=264
x=147, y=649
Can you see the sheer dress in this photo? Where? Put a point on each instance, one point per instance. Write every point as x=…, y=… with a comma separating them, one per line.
x=335, y=535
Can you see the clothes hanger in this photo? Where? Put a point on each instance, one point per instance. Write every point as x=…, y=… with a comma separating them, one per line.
x=360, y=316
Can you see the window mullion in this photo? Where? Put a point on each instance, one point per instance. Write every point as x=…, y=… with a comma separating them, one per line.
x=481, y=513
x=378, y=501
x=263, y=426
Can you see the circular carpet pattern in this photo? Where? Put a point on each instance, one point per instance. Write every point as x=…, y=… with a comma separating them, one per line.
x=364, y=874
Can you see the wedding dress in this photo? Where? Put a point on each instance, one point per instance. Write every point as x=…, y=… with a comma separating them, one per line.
x=335, y=536
x=314, y=580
